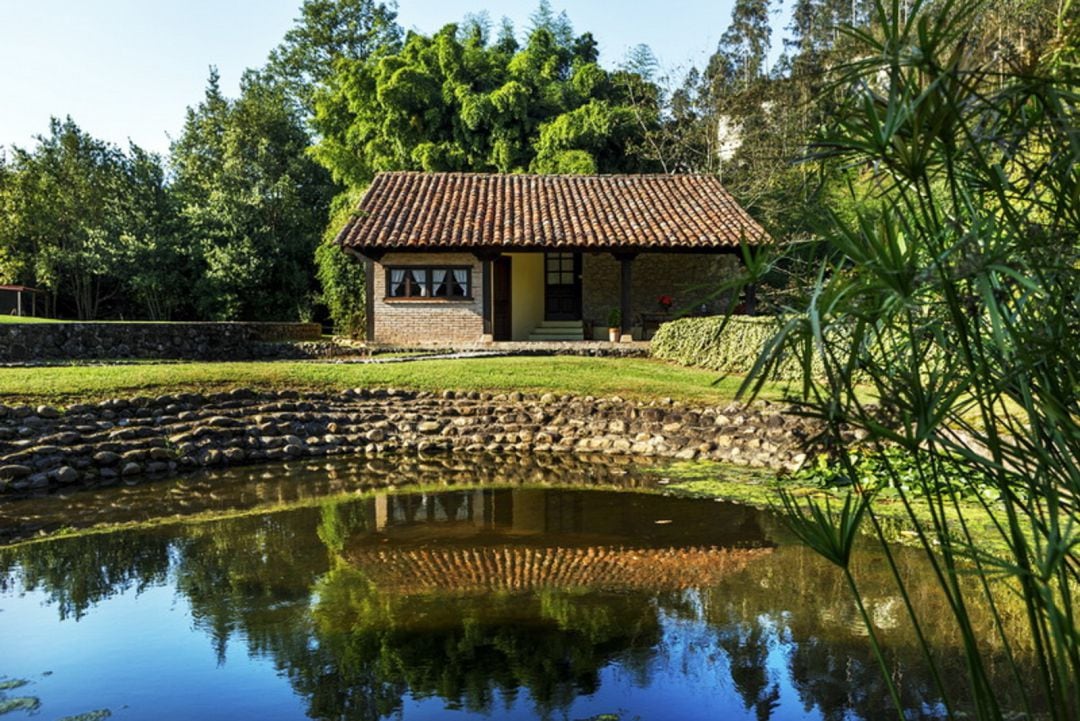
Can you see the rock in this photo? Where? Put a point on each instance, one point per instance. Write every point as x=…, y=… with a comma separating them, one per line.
x=161, y=454
x=65, y=475
x=294, y=450
x=429, y=427
x=14, y=471
x=131, y=468
x=47, y=412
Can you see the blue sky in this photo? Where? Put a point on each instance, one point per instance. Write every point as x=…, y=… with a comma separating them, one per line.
x=128, y=68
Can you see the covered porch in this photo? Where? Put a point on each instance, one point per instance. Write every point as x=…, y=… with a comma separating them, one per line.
x=561, y=295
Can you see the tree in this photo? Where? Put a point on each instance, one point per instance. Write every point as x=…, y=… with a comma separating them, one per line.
x=79, y=217
x=340, y=276
x=252, y=199
x=448, y=103
x=742, y=55
x=328, y=31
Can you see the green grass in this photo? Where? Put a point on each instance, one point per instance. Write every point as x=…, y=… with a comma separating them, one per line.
x=636, y=378
x=26, y=319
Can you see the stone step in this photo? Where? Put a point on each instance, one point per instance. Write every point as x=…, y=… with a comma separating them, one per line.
x=561, y=324
x=554, y=338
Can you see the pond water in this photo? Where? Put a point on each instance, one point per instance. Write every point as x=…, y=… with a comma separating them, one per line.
x=296, y=592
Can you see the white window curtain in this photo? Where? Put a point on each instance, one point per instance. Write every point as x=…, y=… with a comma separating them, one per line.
x=439, y=282
x=461, y=277
x=419, y=283
x=397, y=281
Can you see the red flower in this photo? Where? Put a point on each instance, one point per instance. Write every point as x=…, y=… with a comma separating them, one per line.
x=666, y=301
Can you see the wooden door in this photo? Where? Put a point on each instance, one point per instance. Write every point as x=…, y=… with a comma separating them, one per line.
x=562, y=286
x=502, y=321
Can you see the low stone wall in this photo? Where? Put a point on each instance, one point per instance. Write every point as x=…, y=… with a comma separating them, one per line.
x=21, y=342
x=127, y=438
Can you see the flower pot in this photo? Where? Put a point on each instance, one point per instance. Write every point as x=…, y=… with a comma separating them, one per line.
x=614, y=334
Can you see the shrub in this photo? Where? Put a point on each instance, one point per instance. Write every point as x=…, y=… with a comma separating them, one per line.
x=731, y=346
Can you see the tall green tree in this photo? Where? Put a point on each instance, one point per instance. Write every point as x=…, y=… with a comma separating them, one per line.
x=327, y=31
x=78, y=217
x=451, y=103
x=252, y=200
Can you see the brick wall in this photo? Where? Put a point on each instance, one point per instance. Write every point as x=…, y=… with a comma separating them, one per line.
x=430, y=320
x=690, y=278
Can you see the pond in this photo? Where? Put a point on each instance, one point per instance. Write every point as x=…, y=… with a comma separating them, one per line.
x=505, y=588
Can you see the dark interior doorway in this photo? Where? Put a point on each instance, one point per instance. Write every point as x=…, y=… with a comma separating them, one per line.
x=502, y=321
x=562, y=286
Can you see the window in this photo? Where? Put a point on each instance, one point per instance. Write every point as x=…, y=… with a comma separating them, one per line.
x=559, y=268
x=429, y=282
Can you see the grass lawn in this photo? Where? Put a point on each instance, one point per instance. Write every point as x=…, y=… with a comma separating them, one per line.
x=4, y=318
x=627, y=377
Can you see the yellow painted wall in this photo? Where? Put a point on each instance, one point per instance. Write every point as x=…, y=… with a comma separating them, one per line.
x=526, y=292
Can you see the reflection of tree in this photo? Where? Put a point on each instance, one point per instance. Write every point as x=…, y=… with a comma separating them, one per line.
x=747, y=646
x=830, y=663
x=360, y=648
x=81, y=571
x=469, y=649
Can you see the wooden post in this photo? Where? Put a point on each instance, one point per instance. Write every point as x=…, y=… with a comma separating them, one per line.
x=625, y=286
x=751, y=299
x=487, y=307
x=18, y=303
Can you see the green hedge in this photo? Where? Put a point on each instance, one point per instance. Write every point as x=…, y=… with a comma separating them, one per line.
x=731, y=348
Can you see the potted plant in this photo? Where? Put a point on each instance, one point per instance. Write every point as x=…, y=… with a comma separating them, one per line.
x=614, y=321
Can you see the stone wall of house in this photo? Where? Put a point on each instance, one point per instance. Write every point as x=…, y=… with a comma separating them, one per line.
x=690, y=278
x=428, y=320
x=27, y=342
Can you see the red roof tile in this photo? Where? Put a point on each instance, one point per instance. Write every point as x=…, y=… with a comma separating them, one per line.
x=421, y=211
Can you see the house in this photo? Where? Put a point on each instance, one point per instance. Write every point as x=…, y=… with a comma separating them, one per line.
x=22, y=301
x=464, y=258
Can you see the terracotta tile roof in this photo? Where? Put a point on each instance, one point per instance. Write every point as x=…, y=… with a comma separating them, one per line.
x=418, y=211
x=513, y=568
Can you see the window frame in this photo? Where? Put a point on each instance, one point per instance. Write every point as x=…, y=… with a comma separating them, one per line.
x=428, y=283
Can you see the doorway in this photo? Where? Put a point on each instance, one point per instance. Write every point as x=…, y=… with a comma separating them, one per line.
x=562, y=286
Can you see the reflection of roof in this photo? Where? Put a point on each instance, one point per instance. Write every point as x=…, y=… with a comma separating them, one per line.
x=444, y=211
x=529, y=568
x=21, y=288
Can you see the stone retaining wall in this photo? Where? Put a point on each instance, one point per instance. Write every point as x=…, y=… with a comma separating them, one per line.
x=127, y=438
x=21, y=342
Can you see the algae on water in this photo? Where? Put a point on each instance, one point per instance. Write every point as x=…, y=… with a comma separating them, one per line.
x=98, y=715
x=21, y=703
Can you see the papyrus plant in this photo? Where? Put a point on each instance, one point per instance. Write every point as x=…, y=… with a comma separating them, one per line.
x=945, y=320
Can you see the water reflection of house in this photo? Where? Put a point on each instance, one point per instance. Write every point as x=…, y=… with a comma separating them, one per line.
x=528, y=539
